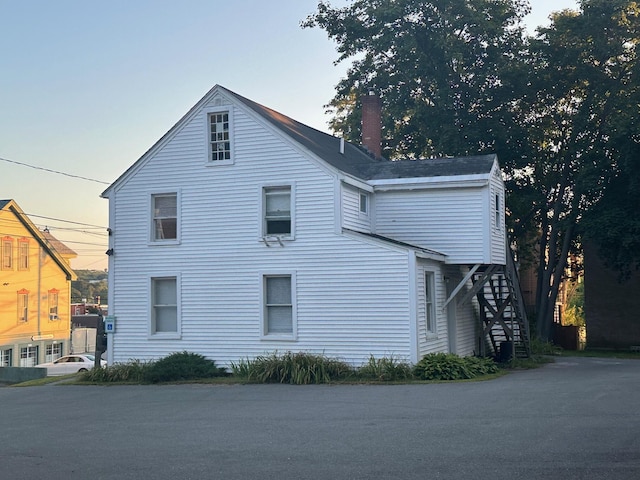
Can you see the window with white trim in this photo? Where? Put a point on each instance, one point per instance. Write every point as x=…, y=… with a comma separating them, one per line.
x=165, y=217
x=364, y=203
x=7, y=253
x=23, y=306
x=279, y=316
x=277, y=211
x=29, y=356
x=164, y=305
x=219, y=130
x=52, y=298
x=5, y=357
x=429, y=298
x=497, y=211
x=53, y=351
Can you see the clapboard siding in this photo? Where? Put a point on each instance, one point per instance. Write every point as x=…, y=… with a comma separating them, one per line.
x=352, y=296
x=352, y=218
x=449, y=220
x=498, y=229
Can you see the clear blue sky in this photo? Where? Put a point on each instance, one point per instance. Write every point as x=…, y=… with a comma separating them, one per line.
x=87, y=87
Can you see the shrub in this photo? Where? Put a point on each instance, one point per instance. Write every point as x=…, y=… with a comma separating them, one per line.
x=447, y=366
x=385, y=370
x=133, y=371
x=295, y=368
x=182, y=366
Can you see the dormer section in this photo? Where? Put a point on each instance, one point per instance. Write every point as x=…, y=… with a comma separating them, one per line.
x=357, y=206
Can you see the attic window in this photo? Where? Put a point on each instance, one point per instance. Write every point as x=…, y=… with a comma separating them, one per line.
x=220, y=137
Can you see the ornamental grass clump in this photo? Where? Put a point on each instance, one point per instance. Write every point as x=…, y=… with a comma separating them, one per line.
x=130, y=372
x=447, y=366
x=294, y=368
x=386, y=369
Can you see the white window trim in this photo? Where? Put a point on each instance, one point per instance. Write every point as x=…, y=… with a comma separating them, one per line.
x=262, y=227
x=430, y=275
x=151, y=333
x=367, y=197
x=151, y=226
x=264, y=335
x=206, y=114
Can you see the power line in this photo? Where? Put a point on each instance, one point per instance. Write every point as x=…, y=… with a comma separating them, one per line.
x=65, y=221
x=35, y=167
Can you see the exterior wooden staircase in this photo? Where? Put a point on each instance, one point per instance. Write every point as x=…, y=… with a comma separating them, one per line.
x=503, y=328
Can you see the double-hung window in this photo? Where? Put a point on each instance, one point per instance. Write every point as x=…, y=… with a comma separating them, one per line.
x=5, y=357
x=23, y=254
x=165, y=217
x=7, y=253
x=23, y=306
x=165, y=319
x=430, y=309
x=279, y=305
x=219, y=132
x=277, y=211
x=53, y=304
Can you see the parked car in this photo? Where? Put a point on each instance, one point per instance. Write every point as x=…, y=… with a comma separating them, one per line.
x=70, y=364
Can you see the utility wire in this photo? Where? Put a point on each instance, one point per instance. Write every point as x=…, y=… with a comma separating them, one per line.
x=54, y=171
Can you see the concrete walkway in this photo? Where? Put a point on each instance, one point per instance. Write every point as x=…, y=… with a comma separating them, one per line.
x=575, y=419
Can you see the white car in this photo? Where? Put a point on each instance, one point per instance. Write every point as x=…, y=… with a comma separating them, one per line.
x=70, y=364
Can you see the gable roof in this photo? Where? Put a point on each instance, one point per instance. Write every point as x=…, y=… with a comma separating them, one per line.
x=357, y=161
x=354, y=161
x=54, y=247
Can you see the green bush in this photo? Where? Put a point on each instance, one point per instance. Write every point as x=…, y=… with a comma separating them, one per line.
x=182, y=366
x=385, y=370
x=447, y=366
x=295, y=368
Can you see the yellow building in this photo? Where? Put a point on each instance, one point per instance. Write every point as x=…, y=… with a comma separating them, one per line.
x=35, y=291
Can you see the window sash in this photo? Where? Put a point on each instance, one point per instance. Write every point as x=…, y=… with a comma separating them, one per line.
x=5, y=357
x=165, y=305
x=165, y=216
x=29, y=356
x=53, y=305
x=7, y=254
x=277, y=201
x=278, y=304
x=219, y=137
x=364, y=203
x=429, y=295
x=23, y=307
x=23, y=255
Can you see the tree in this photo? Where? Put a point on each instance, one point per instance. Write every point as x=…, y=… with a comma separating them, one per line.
x=442, y=69
x=584, y=102
x=459, y=77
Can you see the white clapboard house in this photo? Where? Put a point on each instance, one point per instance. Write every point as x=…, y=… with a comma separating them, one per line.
x=243, y=232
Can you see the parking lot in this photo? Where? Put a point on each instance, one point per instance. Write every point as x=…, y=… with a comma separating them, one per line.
x=574, y=419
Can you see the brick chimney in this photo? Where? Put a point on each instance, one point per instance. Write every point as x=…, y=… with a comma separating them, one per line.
x=372, y=124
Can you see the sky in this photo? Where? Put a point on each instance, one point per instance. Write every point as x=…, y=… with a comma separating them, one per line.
x=87, y=87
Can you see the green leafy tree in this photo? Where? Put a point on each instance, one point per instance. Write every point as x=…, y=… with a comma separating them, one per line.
x=443, y=69
x=582, y=113
x=459, y=77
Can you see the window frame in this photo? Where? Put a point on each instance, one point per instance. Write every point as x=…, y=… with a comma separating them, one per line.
x=429, y=291
x=208, y=113
x=53, y=302
x=23, y=306
x=26, y=352
x=152, y=218
x=6, y=357
x=23, y=254
x=164, y=335
x=7, y=253
x=52, y=351
x=278, y=336
x=264, y=191
x=364, y=199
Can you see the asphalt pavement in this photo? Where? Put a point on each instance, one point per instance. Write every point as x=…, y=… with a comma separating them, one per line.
x=577, y=418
